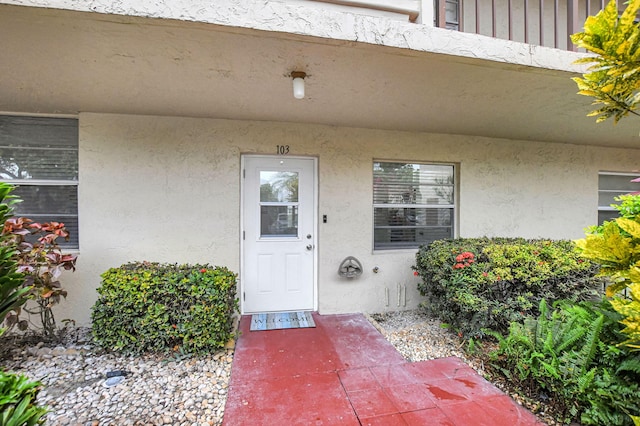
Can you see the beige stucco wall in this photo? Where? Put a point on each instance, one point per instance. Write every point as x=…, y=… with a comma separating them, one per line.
x=317, y=19
x=168, y=189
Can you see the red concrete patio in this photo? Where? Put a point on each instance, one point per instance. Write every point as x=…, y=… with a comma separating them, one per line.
x=344, y=372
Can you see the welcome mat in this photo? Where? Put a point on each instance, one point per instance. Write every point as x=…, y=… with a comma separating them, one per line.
x=281, y=320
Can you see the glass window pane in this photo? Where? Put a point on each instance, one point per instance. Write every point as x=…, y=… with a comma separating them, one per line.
x=41, y=199
x=34, y=163
x=279, y=221
x=606, y=215
x=279, y=187
x=41, y=132
x=451, y=12
x=387, y=238
x=70, y=222
x=42, y=148
x=620, y=183
x=397, y=186
x=605, y=199
x=400, y=183
x=384, y=217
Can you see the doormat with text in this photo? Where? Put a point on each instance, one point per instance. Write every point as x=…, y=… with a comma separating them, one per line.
x=281, y=320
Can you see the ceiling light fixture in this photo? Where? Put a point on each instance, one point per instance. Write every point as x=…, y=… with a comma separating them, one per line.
x=298, y=83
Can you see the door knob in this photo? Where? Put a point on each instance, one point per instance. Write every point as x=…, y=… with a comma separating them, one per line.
x=309, y=247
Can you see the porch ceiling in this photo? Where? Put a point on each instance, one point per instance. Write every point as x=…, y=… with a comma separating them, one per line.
x=55, y=61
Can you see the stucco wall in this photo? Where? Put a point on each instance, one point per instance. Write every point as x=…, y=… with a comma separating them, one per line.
x=168, y=189
x=318, y=19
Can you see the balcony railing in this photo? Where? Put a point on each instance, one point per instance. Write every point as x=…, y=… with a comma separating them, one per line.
x=542, y=22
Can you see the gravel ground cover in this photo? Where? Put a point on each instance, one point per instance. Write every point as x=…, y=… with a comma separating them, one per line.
x=155, y=390
x=190, y=391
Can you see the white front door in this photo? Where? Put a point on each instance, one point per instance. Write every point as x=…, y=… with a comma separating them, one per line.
x=279, y=195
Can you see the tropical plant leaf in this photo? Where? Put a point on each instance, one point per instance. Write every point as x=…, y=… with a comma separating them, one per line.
x=613, y=80
x=630, y=226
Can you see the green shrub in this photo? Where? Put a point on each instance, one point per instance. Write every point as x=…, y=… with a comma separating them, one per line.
x=628, y=206
x=481, y=283
x=13, y=293
x=571, y=355
x=42, y=262
x=17, y=393
x=151, y=307
x=17, y=401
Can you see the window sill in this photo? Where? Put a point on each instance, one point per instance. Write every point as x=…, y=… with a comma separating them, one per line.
x=387, y=251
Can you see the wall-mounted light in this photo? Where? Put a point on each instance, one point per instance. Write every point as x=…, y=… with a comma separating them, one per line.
x=298, y=84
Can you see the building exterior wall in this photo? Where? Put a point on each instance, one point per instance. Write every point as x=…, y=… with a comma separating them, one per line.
x=318, y=19
x=168, y=189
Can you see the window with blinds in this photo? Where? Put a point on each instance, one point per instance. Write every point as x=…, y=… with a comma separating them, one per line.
x=610, y=186
x=413, y=204
x=39, y=155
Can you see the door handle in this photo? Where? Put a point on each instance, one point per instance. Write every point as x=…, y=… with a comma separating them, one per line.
x=309, y=247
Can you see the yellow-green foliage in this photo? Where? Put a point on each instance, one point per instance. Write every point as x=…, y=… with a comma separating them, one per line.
x=614, y=78
x=616, y=247
x=630, y=309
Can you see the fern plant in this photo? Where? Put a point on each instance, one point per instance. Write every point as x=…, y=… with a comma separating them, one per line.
x=570, y=354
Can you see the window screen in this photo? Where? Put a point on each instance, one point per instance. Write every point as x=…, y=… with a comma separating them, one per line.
x=413, y=204
x=39, y=155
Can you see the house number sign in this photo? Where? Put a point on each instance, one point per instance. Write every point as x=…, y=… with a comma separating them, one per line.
x=282, y=149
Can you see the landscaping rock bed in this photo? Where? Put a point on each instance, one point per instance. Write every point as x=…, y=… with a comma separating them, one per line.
x=153, y=391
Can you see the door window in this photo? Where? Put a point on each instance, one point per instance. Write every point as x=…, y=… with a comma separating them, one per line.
x=278, y=204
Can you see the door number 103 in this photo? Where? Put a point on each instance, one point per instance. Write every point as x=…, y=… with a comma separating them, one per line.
x=282, y=149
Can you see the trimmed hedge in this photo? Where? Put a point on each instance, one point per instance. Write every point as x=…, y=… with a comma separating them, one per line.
x=152, y=307
x=478, y=283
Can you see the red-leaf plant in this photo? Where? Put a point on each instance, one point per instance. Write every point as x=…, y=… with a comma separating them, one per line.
x=42, y=262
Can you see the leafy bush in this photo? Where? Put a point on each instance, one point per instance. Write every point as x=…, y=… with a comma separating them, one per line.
x=571, y=355
x=481, y=283
x=615, y=245
x=12, y=293
x=17, y=401
x=629, y=308
x=151, y=307
x=17, y=393
x=628, y=205
x=42, y=261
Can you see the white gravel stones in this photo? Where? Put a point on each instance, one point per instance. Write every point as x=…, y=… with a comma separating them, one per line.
x=419, y=337
x=156, y=391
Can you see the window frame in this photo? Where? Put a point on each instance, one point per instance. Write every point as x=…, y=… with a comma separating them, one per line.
x=453, y=207
x=608, y=208
x=67, y=247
